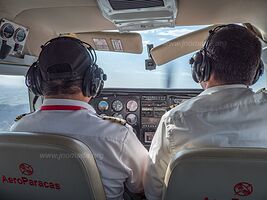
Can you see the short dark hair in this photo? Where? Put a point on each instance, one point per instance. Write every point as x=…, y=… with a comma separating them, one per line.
x=61, y=87
x=235, y=54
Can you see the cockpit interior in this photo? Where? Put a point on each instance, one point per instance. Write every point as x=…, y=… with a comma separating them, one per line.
x=143, y=46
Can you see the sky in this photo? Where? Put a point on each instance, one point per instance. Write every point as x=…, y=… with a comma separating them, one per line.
x=128, y=70
x=12, y=81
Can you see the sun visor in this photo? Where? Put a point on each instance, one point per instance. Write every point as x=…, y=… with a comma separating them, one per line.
x=113, y=41
x=180, y=46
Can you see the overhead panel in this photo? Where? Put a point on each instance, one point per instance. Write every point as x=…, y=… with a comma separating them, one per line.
x=130, y=15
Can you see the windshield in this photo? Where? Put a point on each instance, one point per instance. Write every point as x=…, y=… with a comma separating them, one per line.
x=128, y=70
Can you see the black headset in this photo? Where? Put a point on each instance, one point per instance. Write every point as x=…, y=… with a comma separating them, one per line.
x=93, y=79
x=201, y=64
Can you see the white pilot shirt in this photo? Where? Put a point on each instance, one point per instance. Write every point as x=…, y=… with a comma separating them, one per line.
x=119, y=155
x=227, y=116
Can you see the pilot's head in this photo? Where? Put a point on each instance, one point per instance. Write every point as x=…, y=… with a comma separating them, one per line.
x=231, y=55
x=66, y=68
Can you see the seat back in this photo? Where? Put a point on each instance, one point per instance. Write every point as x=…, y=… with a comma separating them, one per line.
x=217, y=173
x=45, y=166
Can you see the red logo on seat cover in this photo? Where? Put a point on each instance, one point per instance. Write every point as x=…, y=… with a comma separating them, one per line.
x=243, y=189
x=26, y=169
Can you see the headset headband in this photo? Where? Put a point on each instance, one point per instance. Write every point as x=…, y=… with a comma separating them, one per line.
x=90, y=49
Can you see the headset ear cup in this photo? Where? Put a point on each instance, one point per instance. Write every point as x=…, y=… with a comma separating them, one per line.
x=86, y=85
x=259, y=72
x=93, y=82
x=33, y=79
x=206, y=67
x=39, y=82
x=193, y=69
x=100, y=81
x=196, y=67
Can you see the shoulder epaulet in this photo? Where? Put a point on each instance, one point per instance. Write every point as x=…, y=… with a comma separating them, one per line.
x=21, y=116
x=263, y=90
x=115, y=119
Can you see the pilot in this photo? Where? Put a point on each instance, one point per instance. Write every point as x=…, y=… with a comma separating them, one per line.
x=67, y=76
x=227, y=113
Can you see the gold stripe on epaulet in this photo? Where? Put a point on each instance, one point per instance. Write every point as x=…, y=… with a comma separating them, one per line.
x=21, y=116
x=262, y=90
x=115, y=119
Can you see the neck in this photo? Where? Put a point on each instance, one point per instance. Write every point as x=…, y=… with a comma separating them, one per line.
x=212, y=82
x=78, y=97
x=209, y=85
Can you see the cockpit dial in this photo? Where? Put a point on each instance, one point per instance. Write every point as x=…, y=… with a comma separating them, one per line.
x=131, y=119
x=117, y=106
x=132, y=105
x=103, y=106
x=7, y=31
x=20, y=35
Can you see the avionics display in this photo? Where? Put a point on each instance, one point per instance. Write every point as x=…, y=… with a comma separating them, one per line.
x=141, y=108
x=150, y=120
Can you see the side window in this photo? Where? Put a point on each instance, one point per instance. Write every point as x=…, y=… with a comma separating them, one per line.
x=261, y=83
x=14, y=100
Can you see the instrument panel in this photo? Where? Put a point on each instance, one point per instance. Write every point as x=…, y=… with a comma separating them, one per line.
x=141, y=108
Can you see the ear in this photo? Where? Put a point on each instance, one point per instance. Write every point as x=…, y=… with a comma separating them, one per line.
x=203, y=85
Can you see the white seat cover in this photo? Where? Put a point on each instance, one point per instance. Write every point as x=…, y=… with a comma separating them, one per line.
x=45, y=166
x=217, y=174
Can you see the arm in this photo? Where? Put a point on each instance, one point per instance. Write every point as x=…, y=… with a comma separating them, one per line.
x=158, y=162
x=134, y=156
x=172, y=133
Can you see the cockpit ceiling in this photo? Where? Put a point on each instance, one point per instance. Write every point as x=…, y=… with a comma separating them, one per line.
x=14, y=7
x=48, y=18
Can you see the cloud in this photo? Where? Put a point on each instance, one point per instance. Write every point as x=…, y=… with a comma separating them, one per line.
x=12, y=81
x=163, y=39
x=145, y=42
x=175, y=32
x=152, y=31
x=186, y=74
x=167, y=31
